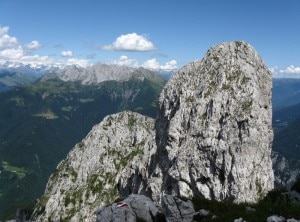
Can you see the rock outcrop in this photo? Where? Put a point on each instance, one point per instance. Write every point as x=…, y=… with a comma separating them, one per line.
x=212, y=139
x=110, y=162
x=133, y=208
x=214, y=131
x=141, y=208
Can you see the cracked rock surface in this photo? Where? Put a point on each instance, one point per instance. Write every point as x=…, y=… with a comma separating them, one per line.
x=214, y=130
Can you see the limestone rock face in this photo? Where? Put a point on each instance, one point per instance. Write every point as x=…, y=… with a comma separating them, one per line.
x=214, y=130
x=110, y=162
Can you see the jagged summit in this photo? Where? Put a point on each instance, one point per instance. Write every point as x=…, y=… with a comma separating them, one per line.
x=214, y=127
x=212, y=139
x=99, y=73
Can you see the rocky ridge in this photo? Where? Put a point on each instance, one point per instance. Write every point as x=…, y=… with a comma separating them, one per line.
x=99, y=169
x=99, y=73
x=212, y=139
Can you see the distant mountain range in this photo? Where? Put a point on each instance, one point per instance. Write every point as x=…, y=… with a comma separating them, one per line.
x=17, y=74
x=27, y=69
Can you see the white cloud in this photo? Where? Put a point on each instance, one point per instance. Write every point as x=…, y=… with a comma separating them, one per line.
x=12, y=54
x=125, y=61
x=154, y=65
x=130, y=42
x=7, y=41
x=36, y=59
x=151, y=64
x=3, y=30
x=169, y=66
x=12, y=51
x=80, y=62
x=274, y=70
x=66, y=53
x=290, y=70
x=33, y=45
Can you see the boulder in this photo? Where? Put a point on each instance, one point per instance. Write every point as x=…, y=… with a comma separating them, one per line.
x=176, y=210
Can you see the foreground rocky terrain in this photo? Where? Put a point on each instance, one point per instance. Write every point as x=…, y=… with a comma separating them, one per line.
x=211, y=140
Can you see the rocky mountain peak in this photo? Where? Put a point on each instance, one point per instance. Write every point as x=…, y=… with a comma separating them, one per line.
x=212, y=139
x=214, y=129
x=100, y=72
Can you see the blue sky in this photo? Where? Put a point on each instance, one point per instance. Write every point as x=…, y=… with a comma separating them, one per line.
x=157, y=34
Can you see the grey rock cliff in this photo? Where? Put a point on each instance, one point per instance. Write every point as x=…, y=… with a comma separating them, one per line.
x=110, y=162
x=214, y=130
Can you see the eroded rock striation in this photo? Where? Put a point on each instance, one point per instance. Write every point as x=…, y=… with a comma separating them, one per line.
x=214, y=130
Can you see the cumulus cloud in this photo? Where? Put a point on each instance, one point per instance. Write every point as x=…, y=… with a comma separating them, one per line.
x=273, y=70
x=125, y=61
x=33, y=45
x=12, y=51
x=80, y=62
x=130, y=42
x=66, y=53
x=151, y=64
x=290, y=70
x=6, y=41
x=169, y=66
x=37, y=60
x=3, y=30
x=154, y=65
